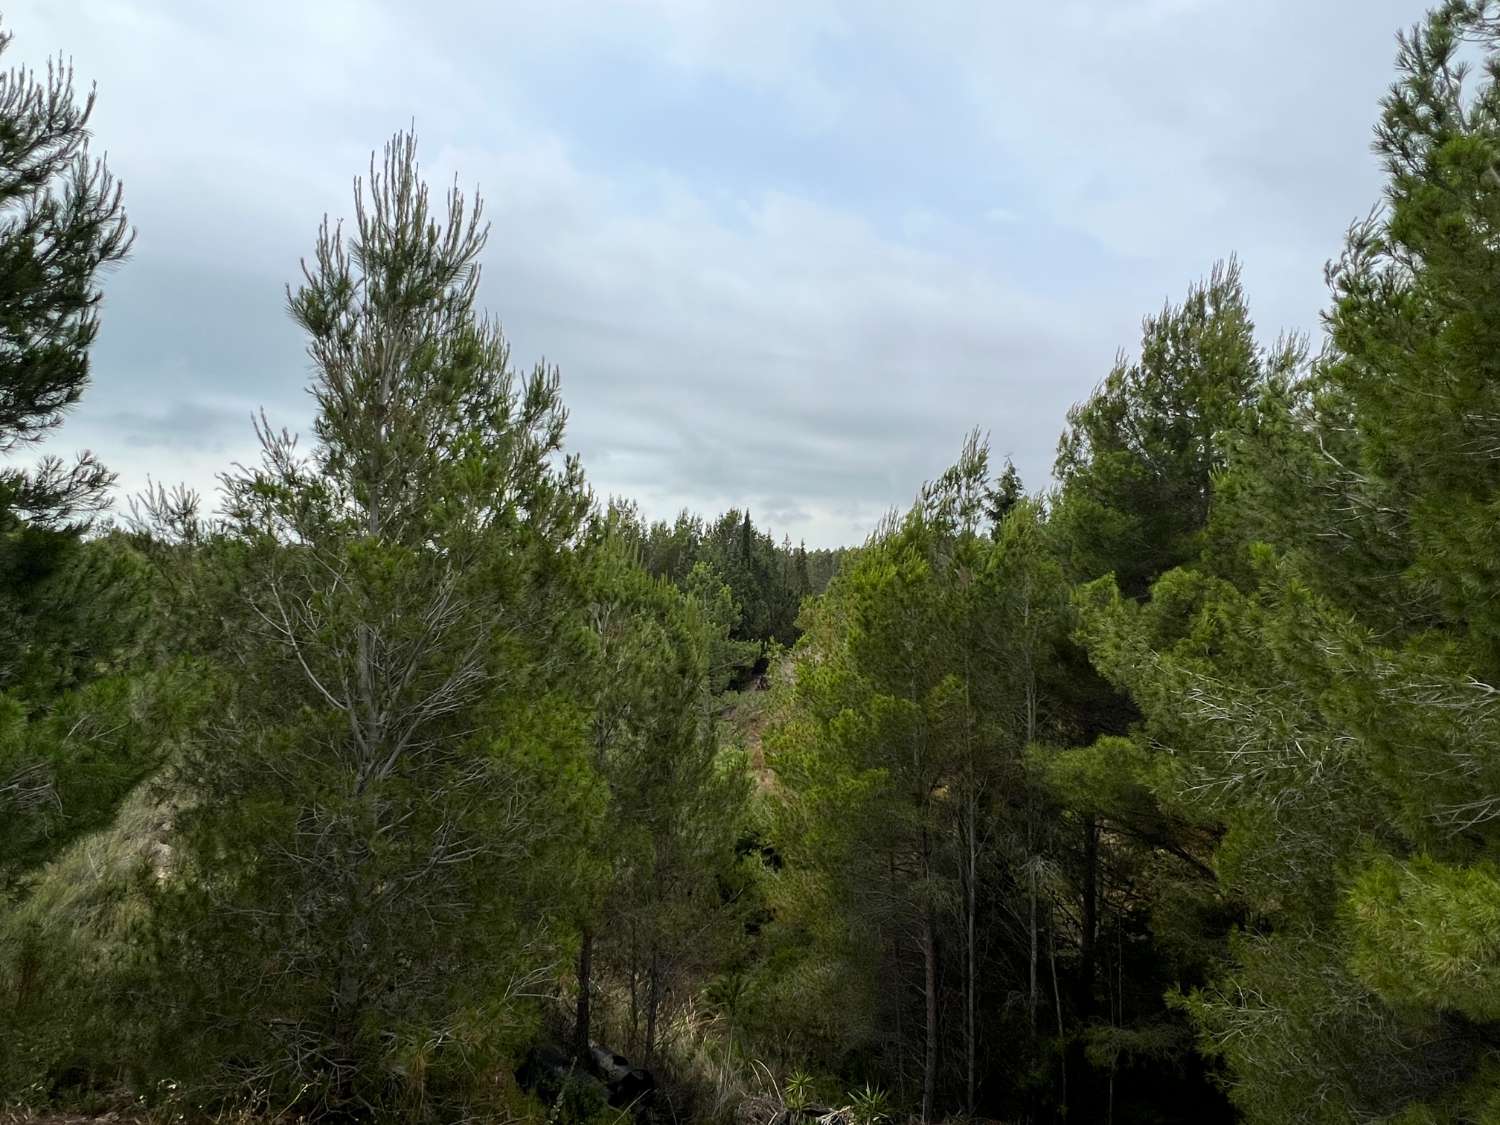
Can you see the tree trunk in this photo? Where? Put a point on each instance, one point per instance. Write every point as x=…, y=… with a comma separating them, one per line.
x=585, y=973
x=971, y=975
x=929, y=982
x=1062, y=1049
x=929, y=958
x=349, y=981
x=635, y=993
x=653, y=1003
x=1033, y=996
x=971, y=899
x=1031, y=810
x=345, y=1024
x=898, y=964
x=1086, y=955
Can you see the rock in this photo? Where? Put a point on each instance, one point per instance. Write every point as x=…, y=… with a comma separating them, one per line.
x=544, y=1065
x=637, y=1087
x=609, y=1078
x=608, y=1065
x=628, y=1085
x=548, y=1070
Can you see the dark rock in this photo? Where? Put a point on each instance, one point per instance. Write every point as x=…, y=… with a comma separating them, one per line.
x=544, y=1065
x=628, y=1085
x=637, y=1086
x=608, y=1065
x=548, y=1070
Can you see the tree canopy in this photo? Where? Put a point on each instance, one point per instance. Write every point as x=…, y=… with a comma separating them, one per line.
x=414, y=782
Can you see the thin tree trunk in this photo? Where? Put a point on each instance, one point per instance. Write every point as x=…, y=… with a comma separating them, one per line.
x=971, y=899
x=1031, y=865
x=971, y=983
x=1062, y=1050
x=900, y=992
x=349, y=999
x=1031, y=811
x=1088, y=940
x=929, y=929
x=929, y=982
x=585, y=972
x=635, y=999
x=346, y=1003
x=350, y=980
x=653, y=1002
x=1116, y=1011
x=929, y=958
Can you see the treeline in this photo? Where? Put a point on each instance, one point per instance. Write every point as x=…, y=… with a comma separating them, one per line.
x=1167, y=794
x=768, y=580
x=318, y=805
x=1184, y=778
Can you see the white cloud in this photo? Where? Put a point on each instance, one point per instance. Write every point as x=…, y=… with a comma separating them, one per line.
x=789, y=337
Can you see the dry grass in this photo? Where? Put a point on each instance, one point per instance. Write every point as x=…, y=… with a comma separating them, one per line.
x=77, y=890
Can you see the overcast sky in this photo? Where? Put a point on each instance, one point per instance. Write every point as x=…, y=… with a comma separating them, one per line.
x=785, y=252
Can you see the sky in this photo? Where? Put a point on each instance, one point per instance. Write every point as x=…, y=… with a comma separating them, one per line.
x=785, y=253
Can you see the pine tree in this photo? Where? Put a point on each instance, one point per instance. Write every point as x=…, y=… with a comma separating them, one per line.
x=802, y=576
x=1139, y=470
x=1137, y=462
x=1324, y=696
x=373, y=810
x=1005, y=494
x=901, y=755
x=62, y=221
x=671, y=803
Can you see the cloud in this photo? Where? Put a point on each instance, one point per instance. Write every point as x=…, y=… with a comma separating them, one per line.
x=187, y=425
x=786, y=253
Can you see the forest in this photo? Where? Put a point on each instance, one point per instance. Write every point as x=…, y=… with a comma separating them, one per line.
x=409, y=780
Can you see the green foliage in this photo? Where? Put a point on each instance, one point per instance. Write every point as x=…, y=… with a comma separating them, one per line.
x=727, y=656
x=1109, y=1047
x=1182, y=776
x=800, y=1090
x=91, y=701
x=1137, y=462
x=908, y=820
x=1427, y=935
x=1323, y=697
x=74, y=959
x=72, y=725
x=663, y=842
x=61, y=222
x=581, y=1101
x=869, y=1105
x=767, y=581
x=377, y=838
x=1140, y=470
